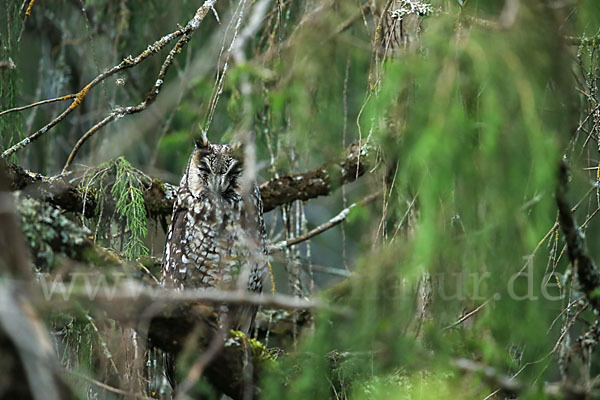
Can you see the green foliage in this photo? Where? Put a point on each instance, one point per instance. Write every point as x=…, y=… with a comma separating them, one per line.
x=127, y=185
x=468, y=131
x=128, y=191
x=476, y=124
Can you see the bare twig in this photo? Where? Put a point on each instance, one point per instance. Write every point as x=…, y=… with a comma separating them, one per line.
x=115, y=114
x=127, y=63
x=466, y=316
x=338, y=219
x=39, y=103
x=150, y=98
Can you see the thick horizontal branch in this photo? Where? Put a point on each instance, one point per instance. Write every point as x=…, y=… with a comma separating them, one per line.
x=133, y=298
x=160, y=196
x=318, y=182
x=55, y=190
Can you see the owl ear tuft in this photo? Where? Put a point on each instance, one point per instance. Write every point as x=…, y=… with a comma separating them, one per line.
x=202, y=143
x=237, y=151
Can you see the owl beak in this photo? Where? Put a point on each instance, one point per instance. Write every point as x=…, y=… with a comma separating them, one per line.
x=217, y=183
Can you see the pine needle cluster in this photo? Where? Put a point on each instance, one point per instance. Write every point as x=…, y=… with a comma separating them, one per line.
x=128, y=192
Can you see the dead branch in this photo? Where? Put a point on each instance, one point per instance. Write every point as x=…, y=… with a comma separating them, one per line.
x=39, y=103
x=587, y=273
x=127, y=63
x=150, y=97
x=338, y=219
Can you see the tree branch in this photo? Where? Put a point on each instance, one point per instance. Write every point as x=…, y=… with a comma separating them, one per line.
x=39, y=103
x=128, y=62
x=150, y=97
x=160, y=196
x=318, y=182
x=587, y=273
x=338, y=219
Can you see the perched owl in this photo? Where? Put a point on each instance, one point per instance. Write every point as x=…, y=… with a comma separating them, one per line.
x=217, y=233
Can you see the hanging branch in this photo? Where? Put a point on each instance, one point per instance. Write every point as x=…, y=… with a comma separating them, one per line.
x=127, y=63
x=587, y=273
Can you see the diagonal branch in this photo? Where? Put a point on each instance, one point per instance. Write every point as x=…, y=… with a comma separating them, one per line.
x=587, y=273
x=127, y=63
x=338, y=219
x=122, y=111
x=318, y=182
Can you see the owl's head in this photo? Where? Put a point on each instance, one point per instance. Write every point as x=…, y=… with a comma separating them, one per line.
x=215, y=170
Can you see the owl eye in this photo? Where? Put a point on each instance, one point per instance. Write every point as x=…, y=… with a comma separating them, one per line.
x=235, y=170
x=203, y=169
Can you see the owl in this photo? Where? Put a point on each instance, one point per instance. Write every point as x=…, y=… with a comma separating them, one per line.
x=217, y=232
